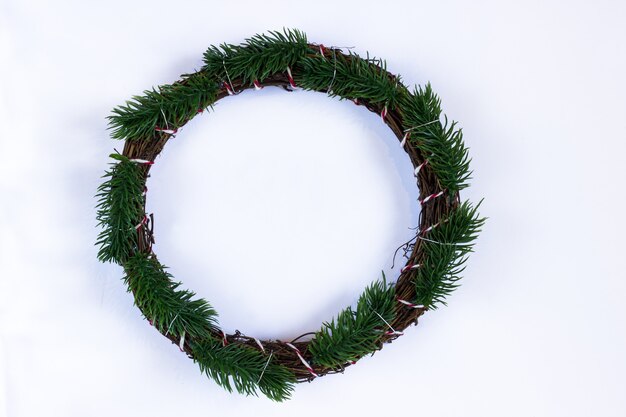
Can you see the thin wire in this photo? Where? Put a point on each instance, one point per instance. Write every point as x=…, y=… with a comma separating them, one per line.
x=265, y=367
x=341, y=47
x=334, y=72
x=167, y=126
x=422, y=125
x=302, y=335
x=406, y=244
x=171, y=322
x=382, y=318
x=228, y=76
x=439, y=243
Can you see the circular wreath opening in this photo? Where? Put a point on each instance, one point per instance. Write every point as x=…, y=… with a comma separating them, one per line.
x=435, y=257
x=291, y=201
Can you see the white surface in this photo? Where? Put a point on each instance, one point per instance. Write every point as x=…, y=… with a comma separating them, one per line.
x=318, y=196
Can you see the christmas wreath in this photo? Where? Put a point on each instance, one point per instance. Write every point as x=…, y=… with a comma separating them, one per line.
x=435, y=257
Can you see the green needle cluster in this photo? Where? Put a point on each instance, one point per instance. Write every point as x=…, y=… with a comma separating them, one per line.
x=355, y=332
x=257, y=57
x=120, y=207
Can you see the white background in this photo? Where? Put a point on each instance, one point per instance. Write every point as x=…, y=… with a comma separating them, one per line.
x=279, y=208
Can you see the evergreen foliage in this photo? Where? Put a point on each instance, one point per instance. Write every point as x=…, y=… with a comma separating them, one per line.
x=355, y=333
x=119, y=209
x=166, y=107
x=174, y=312
x=445, y=252
x=441, y=142
x=169, y=309
x=257, y=58
x=350, y=77
x=243, y=368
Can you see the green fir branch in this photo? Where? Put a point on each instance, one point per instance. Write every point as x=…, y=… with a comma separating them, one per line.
x=119, y=208
x=355, y=333
x=171, y=310
x=243, y=368
x=257, y=57
x=441, y=143
x=174, y=312
x=350, y=77
x=445, y=251
x=165, y=107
